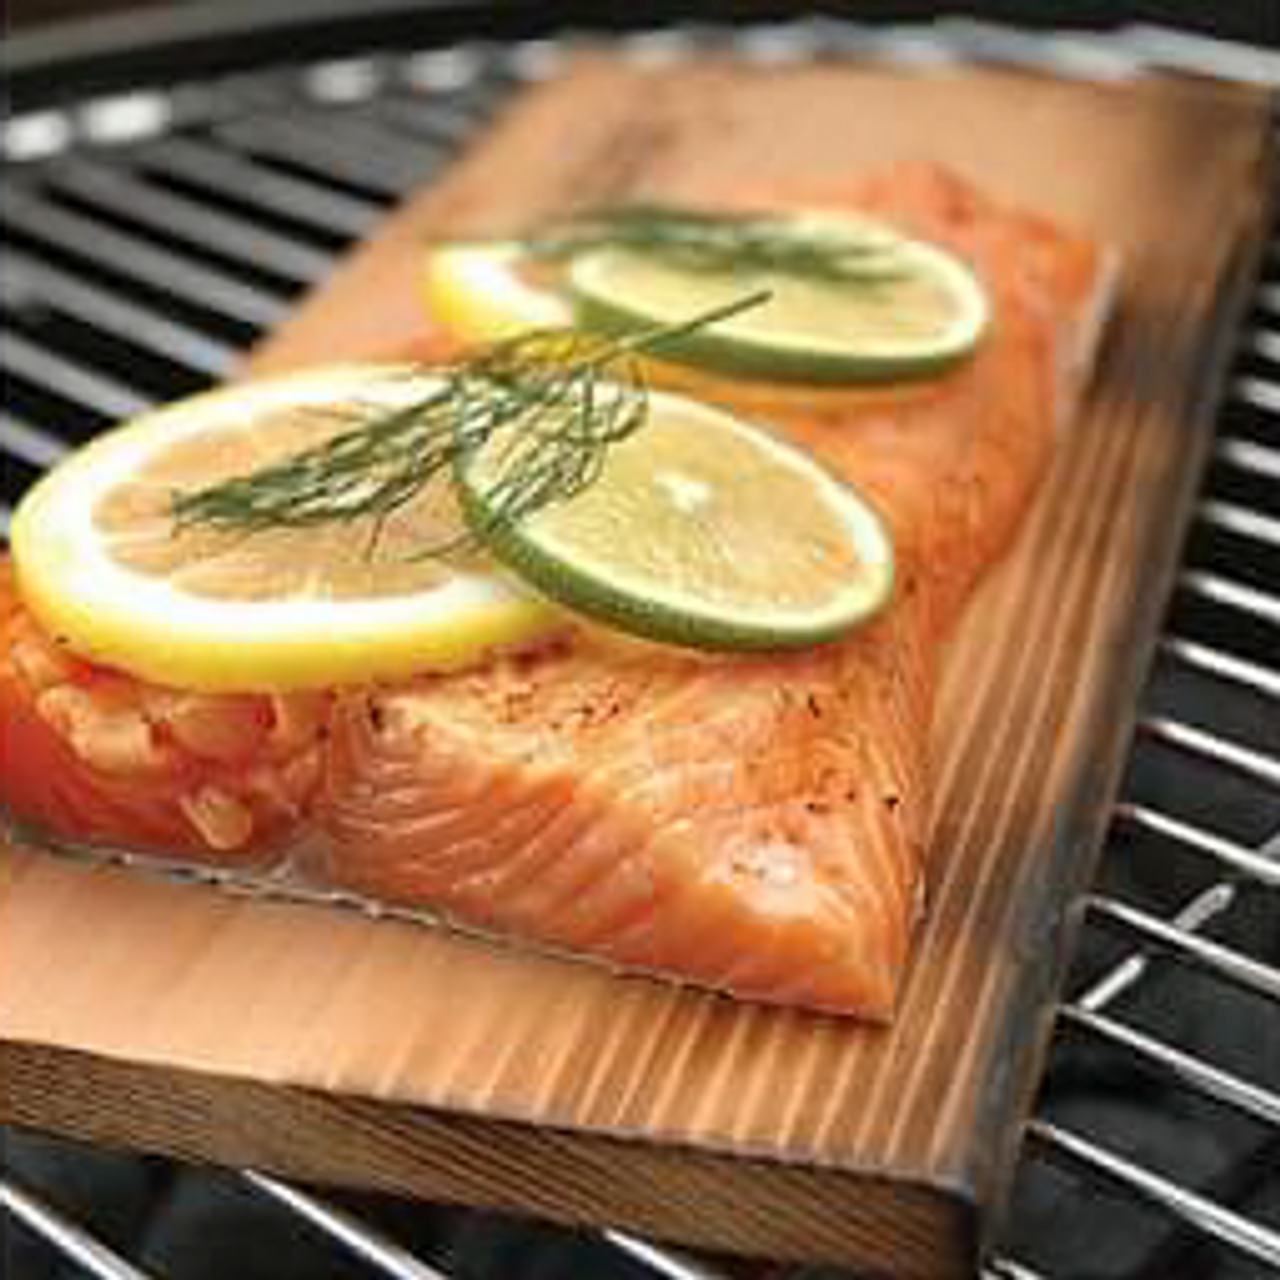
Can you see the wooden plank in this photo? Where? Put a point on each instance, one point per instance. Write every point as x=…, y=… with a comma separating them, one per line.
x=321, y=1044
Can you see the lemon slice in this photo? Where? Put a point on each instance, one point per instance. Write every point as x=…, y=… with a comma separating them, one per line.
x=482, y=292
x=701, y=530
x=917, y=312
x=102, y=565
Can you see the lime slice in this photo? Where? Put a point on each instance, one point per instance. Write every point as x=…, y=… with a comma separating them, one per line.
x=916, y=312
x=701, y=530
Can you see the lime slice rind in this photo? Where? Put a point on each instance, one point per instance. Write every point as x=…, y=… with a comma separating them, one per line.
x=682, y=620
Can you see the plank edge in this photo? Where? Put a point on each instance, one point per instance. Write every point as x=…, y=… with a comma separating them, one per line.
x=749, y=1205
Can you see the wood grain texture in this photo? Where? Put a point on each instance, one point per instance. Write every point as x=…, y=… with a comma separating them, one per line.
x=324, y=1045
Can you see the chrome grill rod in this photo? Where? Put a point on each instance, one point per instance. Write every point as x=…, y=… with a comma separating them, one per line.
x=202, y=163
x=147, y=328
x=382, y=1253
x=1213, y=662
x=1086, y=1012
x=123, y=195
x=1202, y=1077
x=173, y=274
x=663, y=1260
x=65, y=1235
x=1222, y=961
x=1224, y=1225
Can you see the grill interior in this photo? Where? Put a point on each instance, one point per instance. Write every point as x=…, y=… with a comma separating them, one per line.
x=149, y=237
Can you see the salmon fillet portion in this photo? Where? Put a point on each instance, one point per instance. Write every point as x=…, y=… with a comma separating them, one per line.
x=753, y=824
x=756, y=825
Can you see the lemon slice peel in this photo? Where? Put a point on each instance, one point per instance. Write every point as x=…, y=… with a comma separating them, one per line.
x=73, y=578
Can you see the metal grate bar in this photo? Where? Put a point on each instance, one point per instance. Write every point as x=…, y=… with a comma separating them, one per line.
x=97, y=391
x=1232, y=856
x=412, y=156
x=468, y=79
x=1205, y=907
x=207, y=165
x=1210, y=1081
x=1246, y=523
x=1247, y=456
x=1265, y=343
x=1179, y=943
x=1198, y=1075
x=34, y=135
x=145, y=327
x=1004, y=1269
x=65, y=1235
x=443, y=125
x=1235, y=595
x=1222, y=1224
x=354, y=79
x=116, y=192
x=1200, y=911
x=456, y=70
x=1212, y=748
x=1260, y=393
x=1222, y=666
x=33, y=446
x=170, y=273
x=315, y=146
x=125, y=117
x=1203, y=54
x=355, y=1236
x=1070, y=54
x=670, y=1263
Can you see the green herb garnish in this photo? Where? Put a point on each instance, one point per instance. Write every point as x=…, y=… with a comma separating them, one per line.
x=720, y=243
x=565, y=398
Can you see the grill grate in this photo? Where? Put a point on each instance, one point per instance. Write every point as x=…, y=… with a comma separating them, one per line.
x=150, y=237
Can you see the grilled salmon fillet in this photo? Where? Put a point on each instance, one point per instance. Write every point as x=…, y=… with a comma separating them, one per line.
x=753, y=824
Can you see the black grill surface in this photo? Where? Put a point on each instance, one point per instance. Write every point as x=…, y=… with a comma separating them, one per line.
x=150, y=235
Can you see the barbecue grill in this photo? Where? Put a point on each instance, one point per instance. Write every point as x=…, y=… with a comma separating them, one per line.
x=173, y=185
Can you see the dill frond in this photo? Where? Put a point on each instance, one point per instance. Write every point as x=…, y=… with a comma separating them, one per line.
x=721, y=243
x=560, y=400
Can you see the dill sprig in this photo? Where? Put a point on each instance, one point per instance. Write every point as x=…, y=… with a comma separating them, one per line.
x=552, y=402
x=722, y=243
